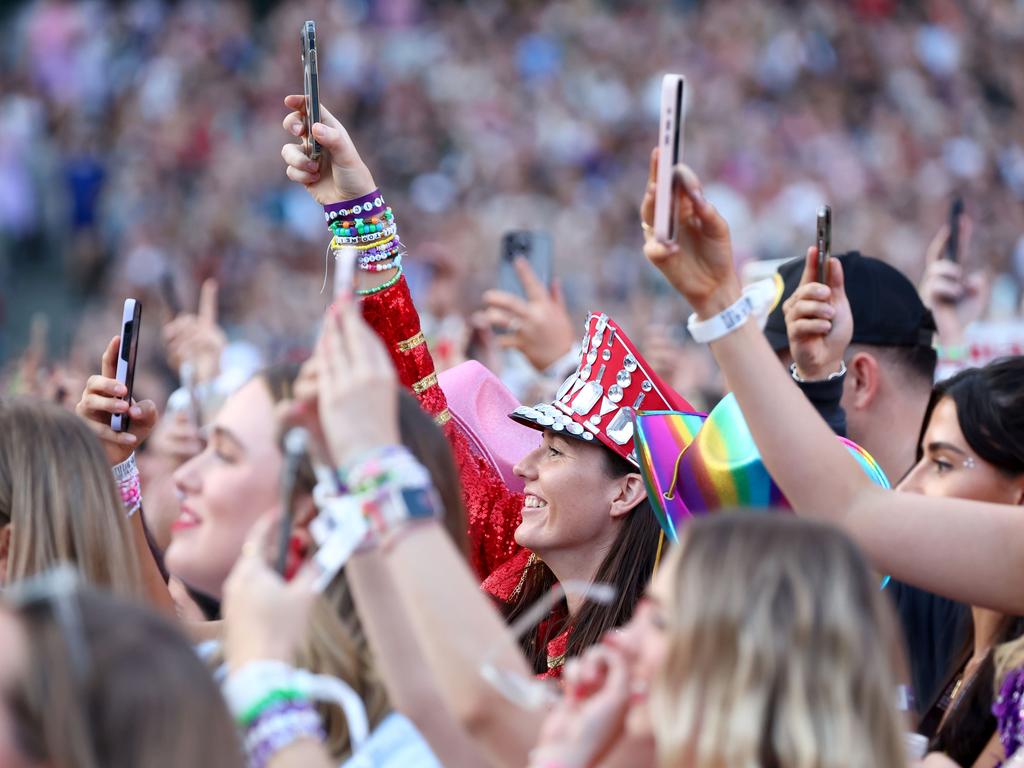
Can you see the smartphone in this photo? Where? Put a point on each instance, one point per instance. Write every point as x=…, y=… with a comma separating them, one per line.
x=956, y=211
x=310, y=88
x=532, y=245
x=824, y=242
x=131, y=322
x=670, y=153
x=170, y=293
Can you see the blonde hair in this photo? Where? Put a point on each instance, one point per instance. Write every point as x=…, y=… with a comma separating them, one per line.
x=782, y=652
x=58, y=495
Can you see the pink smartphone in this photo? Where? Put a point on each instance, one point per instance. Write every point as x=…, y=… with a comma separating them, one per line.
x=670, y=145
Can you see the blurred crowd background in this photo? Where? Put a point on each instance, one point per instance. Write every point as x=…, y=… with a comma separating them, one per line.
x=142, y=137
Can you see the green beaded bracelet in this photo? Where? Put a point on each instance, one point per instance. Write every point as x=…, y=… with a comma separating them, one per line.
x=383, y=286
x=274, y=697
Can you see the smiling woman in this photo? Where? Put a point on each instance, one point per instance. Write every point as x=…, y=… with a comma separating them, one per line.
x=971, y=448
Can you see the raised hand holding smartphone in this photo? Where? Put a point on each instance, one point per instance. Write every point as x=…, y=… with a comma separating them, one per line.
x=106, y=403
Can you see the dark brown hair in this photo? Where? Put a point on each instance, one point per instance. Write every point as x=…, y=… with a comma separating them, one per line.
x=142, y=698
x=628, y=567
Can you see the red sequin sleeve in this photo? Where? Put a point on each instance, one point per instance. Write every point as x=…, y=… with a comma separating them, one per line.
x=493, y=511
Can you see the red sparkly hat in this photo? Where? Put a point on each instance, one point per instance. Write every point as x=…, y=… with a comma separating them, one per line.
x=597, y=401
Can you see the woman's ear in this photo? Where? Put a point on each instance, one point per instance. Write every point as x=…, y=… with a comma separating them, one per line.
x=631, y=491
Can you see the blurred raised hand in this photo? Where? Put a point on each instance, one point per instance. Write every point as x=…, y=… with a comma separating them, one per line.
x=197, y=338
x=590, y=718
x=104, y=396
x=358, y=387
x=955, y=298
x=539, y=326
x=819, y=321
x=265, y=617
x=340, y=173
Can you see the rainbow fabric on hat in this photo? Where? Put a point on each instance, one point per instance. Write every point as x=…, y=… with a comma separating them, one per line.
x=719, y=467
x=598, y=401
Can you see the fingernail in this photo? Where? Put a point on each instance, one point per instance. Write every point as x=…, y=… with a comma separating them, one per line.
x=136, y=411
x=127, y=437
x=319, y=129
x=297, y=129
x=313, y=165
x=120, y=389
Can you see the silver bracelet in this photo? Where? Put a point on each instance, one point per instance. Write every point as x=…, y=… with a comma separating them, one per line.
x=831, y=377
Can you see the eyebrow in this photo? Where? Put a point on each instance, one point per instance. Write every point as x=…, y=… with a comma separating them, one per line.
x=220, y=433
x=939, y=445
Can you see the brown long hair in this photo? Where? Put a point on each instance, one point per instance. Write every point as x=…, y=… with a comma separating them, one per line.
x=59, y=498
x=337, y=644
x=143, y=698
x=782, y=651
x=627, y=566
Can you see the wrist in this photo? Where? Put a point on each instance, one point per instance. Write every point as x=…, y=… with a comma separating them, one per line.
x=826, y=372
x=718, y=300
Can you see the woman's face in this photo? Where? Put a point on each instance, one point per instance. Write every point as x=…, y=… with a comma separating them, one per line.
x=948, y=466
x=644, y=641
x=13, y=663
x=226, y=489
x=568, y=496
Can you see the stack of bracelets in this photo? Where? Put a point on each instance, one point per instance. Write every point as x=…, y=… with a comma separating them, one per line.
x=126, y=475
x=366, y=504
x=367, y=225
x=272, y=709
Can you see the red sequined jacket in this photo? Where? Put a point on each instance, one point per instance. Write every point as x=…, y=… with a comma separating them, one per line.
x=493, y=511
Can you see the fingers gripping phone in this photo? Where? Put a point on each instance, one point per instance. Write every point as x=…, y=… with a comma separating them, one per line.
x=956, y=212
x=131, y=321
x=670, y=153
x=311, y=88
x=824, y=243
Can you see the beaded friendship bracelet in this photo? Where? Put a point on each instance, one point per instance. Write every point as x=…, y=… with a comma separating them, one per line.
x=368, y=203
x=278, y=727
x=382, y=287
x=129, y=485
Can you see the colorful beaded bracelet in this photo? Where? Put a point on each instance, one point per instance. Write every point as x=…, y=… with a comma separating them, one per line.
x=365, y=204
x=382, y=266
x=383, y=286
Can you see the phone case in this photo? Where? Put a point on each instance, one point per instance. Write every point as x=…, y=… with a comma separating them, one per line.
x=670, y=145
x=535, y=247
x=130, y=318
x=311, y=87
x=824, y=243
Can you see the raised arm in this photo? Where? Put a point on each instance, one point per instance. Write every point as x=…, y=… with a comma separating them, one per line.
x=968, y=551
x=341, y=177
x=439, y=601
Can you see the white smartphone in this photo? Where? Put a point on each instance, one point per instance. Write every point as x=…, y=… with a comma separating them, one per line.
x=670, y=146
x=131, y=321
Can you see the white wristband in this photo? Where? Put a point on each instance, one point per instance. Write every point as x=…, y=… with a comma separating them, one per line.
x=757, y=301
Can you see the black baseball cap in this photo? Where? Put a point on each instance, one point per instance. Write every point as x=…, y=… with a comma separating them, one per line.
x=887, y=312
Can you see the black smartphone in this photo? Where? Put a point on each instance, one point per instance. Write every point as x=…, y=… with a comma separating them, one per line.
x=824, y=242
x=170, y=293
x=532, y=245
x=311, y=88
x=131, y=323
x=956, y=212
